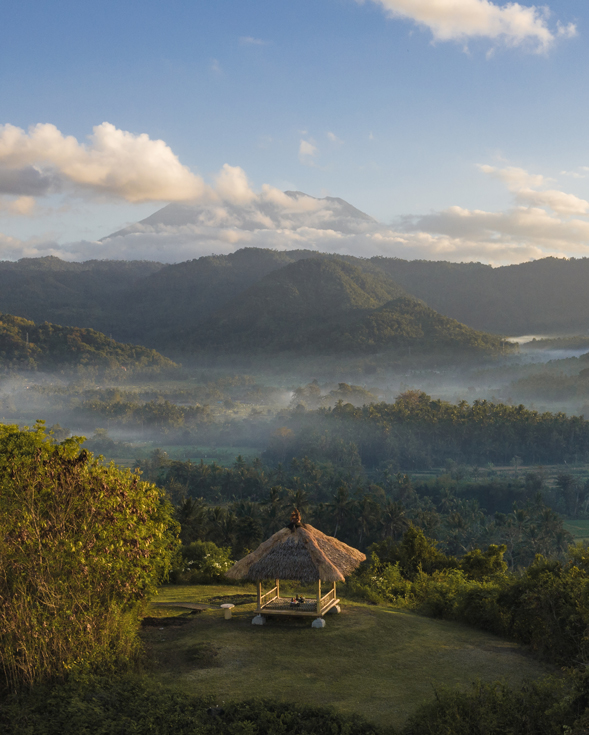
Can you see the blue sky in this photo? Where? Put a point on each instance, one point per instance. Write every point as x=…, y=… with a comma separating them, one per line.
x=459, y=124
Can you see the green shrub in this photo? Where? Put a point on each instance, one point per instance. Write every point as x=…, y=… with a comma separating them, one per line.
x=548, y=707
x=202, y=562
x=82, y=548
x=135, y=704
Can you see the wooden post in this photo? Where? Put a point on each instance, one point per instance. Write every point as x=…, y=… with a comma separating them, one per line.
x=319, y=597
x=334, y=594
x=277, y=587
x=259, y=595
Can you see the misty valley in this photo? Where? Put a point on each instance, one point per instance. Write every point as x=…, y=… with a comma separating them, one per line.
x=447, y=443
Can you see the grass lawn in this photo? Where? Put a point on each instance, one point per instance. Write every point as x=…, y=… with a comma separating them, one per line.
x=579, y=529
x=379, y=662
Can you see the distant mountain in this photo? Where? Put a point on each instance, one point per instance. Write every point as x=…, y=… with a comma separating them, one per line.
x=26, y=345
x=327, y=305
x=294, y=210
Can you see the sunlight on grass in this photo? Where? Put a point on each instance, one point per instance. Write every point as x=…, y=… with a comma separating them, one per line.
x=379, y=662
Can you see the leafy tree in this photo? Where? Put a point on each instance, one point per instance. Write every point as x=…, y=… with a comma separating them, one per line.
x=82, y=547
x=477, y=564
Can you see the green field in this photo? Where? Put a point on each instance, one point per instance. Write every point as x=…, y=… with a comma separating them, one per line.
x=380, y=662
x=579, y=529
x=223, y=456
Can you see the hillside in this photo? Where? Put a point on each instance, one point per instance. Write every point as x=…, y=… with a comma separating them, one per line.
x=407, y=322
x=177, y=298
x=161, y=305
x=547, y=296
x=327, y=305
x=74, y=294
x=26, y=345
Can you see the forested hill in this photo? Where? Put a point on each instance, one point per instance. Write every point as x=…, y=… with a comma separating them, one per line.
x=326, y=305
x=76, y=294
x=151, y=303
x=26, y=345
x=178, y=297
x=547, y=296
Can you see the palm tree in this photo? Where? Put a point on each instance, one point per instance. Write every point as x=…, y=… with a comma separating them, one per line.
x=340, y=506
x=393, y=520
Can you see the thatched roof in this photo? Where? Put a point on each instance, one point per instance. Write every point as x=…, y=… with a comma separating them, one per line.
x=300, y=552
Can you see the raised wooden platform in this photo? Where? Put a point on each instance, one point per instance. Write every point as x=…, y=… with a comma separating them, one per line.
x=282, y=606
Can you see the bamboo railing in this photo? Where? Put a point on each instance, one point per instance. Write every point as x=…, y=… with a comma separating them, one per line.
x=264, y=599
x=326, y=599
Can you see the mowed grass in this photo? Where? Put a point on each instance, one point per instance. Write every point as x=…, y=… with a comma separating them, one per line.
x=379, y=662
x=579, y=529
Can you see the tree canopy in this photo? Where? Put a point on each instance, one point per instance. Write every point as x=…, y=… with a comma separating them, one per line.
x=82, y=547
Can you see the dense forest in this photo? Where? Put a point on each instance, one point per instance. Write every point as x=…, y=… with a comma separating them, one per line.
x=418, y=432
x=154, y=304
x=321, y=305
x=25, y=345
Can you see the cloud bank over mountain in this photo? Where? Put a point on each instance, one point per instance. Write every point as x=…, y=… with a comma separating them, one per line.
x=228, y=213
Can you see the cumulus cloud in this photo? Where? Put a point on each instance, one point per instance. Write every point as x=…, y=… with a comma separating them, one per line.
x=229, y=213
x=307, y=152
x=113, y=163
x=514, y=178
x=542, y=222
x=461, y=20
x=233, y=186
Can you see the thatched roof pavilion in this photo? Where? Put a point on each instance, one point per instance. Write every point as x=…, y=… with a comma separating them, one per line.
x=298, y=552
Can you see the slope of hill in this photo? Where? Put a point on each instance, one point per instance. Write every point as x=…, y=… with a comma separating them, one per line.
x=407, y=322
x=547, y=296
x=178, y=297
x=159, y=305
x=77, y=294
x=26, y=345
x=326, y=305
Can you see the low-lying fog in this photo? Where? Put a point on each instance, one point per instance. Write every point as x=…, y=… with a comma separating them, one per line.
x=214, y=407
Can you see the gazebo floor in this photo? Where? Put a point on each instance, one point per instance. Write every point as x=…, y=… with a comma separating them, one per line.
x=282, y=606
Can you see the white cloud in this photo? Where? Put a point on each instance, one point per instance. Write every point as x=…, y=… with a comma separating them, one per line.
x=232, y=185
x=114, y=163
x=307, y=152
x=558, y=201
x=460, y=20
x=524, y=185
x=230, y=214
x=332, y=137
x=515, y=178
x=21, y=206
